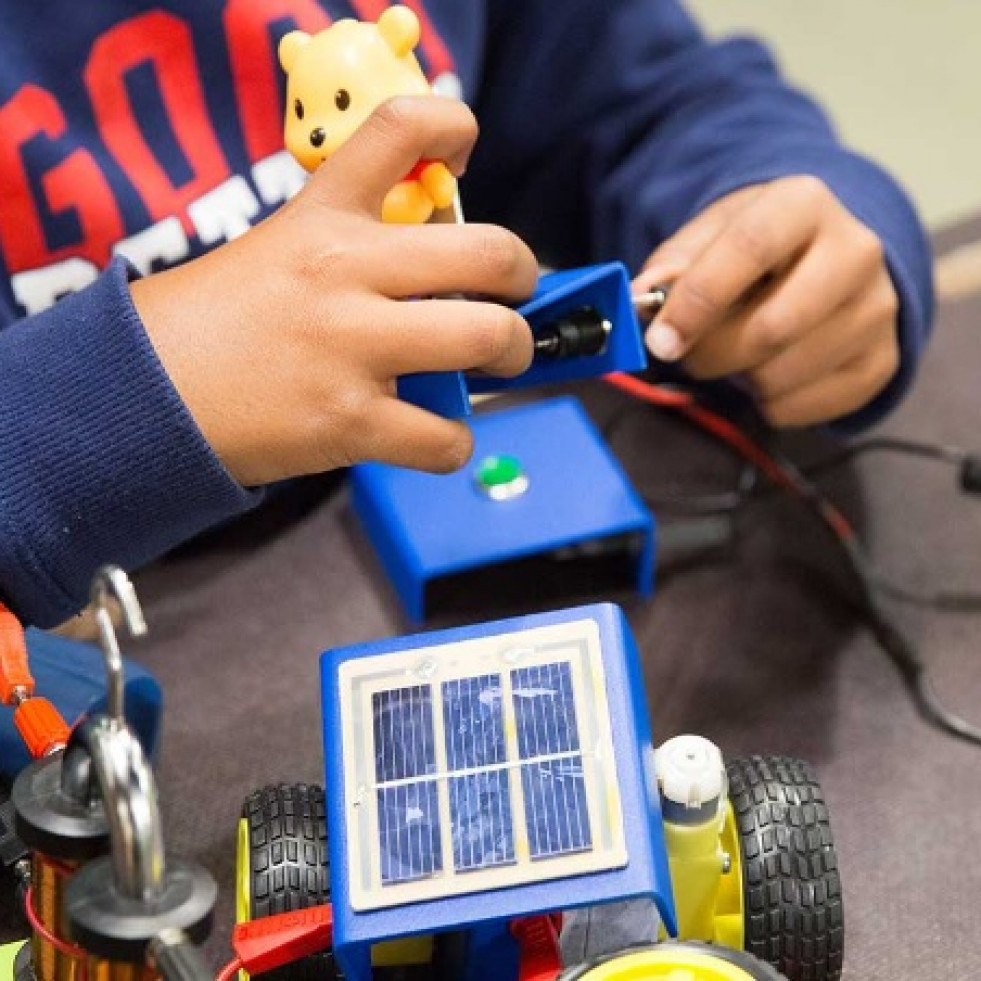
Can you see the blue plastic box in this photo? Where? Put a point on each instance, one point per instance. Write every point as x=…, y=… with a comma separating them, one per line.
x=578, y=504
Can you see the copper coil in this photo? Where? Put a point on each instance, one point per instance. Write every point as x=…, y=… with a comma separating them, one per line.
x=54, y=956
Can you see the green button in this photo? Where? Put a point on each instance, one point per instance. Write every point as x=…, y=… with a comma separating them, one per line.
x=501, y=477
x=496, y=470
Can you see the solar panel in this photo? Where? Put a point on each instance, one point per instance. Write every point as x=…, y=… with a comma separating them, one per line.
x=408, y=803
x=480, y=797
x=552, y=777
x=496, y=769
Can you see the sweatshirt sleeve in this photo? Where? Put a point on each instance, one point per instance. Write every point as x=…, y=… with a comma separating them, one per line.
x=100, y=461
x=606, y=126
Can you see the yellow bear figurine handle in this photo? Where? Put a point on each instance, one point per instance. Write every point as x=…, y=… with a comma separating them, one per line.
x=337, y=78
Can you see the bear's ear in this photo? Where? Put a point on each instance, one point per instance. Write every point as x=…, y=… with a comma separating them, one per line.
x=290, y=47
x=399, y=28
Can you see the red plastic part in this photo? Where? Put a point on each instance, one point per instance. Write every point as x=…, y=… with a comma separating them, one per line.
x=41, y=726
x=273, y=941
x=538, y=948
x=14, y=672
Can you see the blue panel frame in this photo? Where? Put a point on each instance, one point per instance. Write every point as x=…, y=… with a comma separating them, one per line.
x=646, y=873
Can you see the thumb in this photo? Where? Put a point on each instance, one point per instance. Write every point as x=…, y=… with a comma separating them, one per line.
x=666, y=265
x=676, y=253
x=391, y=141
x=675, y=256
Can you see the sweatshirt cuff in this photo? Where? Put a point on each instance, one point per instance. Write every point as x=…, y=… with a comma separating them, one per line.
x=102, y=460
x=877, y=201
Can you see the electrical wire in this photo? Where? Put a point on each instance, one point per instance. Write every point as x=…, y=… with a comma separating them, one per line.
x=928, y=451
x=945, y=600
x=229, y=970
x=728, y=502
x=782, y=473
x=691, y=502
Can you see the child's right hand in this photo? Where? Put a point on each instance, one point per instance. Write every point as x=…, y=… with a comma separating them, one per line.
x=285, y=343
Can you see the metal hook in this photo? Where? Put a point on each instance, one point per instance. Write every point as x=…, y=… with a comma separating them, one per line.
x=110, y=579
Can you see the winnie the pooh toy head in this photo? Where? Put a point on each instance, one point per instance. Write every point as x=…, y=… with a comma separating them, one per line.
x=337, y=78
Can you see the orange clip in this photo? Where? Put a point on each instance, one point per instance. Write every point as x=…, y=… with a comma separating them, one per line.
x=41, y=726
x=14, y=673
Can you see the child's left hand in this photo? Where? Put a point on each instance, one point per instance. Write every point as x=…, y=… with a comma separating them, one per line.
x=781, y=285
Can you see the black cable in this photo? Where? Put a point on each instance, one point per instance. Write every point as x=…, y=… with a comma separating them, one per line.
x=906, y=658
x=969, y=470
x=891, y=639
x=942, y=601
x=711, y=503
x=930, y=451
x=703, y=503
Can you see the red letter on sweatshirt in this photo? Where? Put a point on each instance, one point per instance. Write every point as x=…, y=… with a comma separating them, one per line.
x=164, y=42
x=255, y=65
x=74, y=184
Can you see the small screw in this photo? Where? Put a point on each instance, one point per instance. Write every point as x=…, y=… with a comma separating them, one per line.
x=648, y=305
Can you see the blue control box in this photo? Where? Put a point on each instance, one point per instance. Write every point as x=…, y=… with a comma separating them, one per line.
x=602, y=290
x=542, y=494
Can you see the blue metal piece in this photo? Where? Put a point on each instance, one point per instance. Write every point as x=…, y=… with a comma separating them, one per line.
x=442, y=392
x=72, y=675
x=605, y=288
x=425, y=526
x=484, y=912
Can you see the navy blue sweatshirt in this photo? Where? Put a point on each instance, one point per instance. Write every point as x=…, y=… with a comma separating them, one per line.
x=151, y=130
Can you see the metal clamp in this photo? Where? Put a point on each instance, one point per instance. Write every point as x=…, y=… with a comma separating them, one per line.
x=106, y=749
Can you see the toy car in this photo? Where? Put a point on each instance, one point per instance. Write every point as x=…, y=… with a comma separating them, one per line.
x=481, y=779
x=488, y=788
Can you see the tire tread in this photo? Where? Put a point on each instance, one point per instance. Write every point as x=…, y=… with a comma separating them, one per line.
x=792, y=889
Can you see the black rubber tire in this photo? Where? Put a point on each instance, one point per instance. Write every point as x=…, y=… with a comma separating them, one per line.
x=791, y=887
x=289, y=864
x=754, y=968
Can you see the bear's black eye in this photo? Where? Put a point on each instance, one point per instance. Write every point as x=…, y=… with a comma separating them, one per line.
x=298, y=109
x=342, y=99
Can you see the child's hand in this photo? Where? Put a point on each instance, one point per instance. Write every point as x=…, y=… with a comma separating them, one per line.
x=780, y=284
x=285, y=344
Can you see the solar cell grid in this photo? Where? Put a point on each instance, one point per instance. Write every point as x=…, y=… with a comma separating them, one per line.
x=491, y=769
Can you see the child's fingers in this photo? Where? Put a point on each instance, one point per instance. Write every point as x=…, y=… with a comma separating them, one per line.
x=837, y=394
x=451, y=335
x=795, y=307
x=394, y=138
x=770, y=233
x=407, y=436
x=428, y=260
x=863, y=326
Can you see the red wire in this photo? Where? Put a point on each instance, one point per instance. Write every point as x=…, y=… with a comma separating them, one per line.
x=722, y=429
x=62, y=946
x=229, y=970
